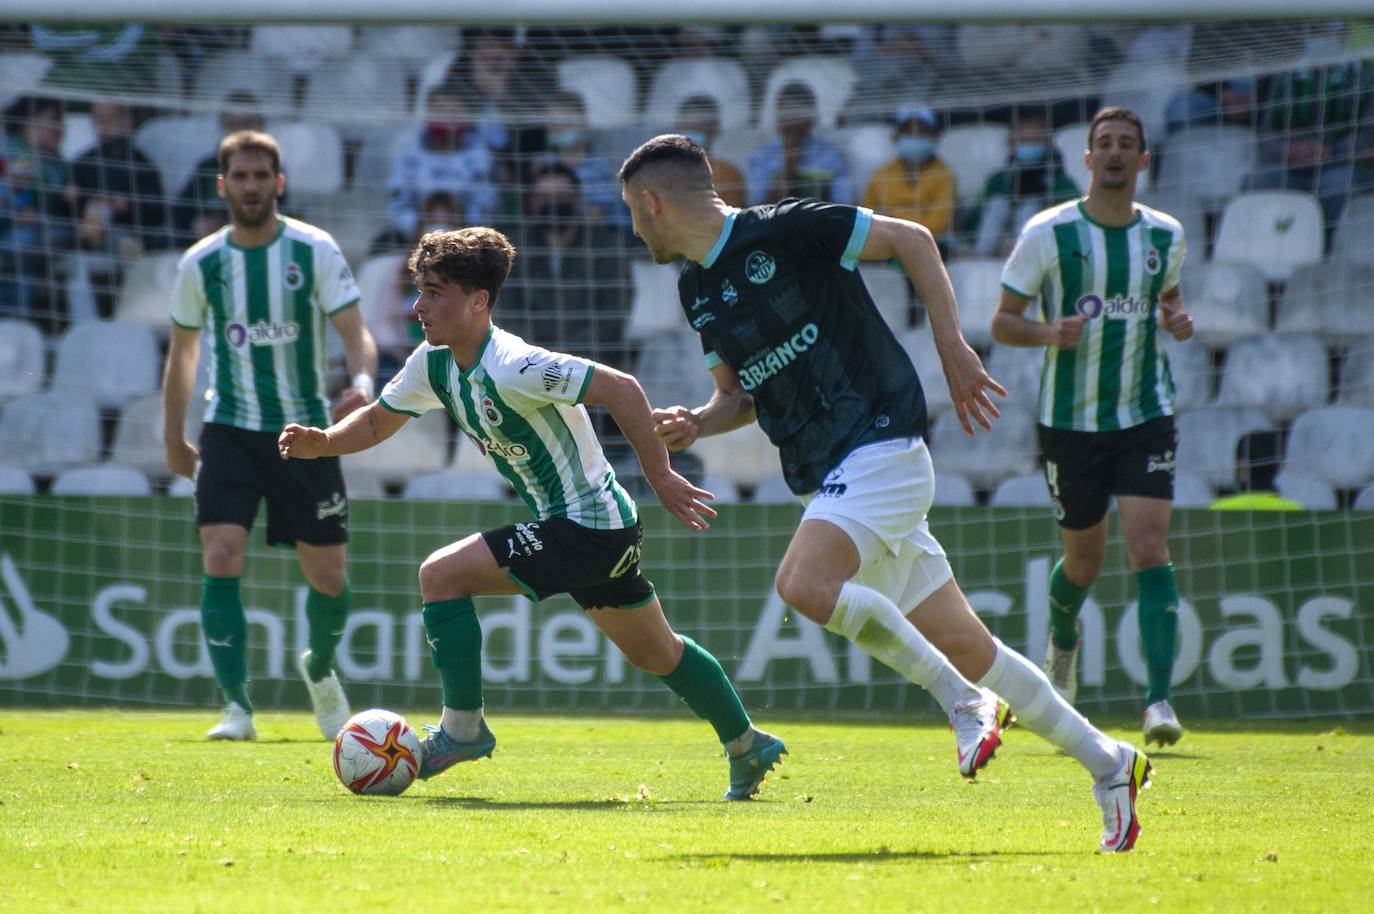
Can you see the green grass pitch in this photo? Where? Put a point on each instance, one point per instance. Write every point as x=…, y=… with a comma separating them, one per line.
x=116, y=810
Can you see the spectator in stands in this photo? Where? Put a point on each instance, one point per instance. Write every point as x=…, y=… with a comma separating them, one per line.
x=1034, y=179
x=571, y=288
x=1308, y=123
x=916, y=185
x=901, y=59
x=502, y=85
x=566, y=142
x=121, y=210
x=397, y=331
x=449, y=155
x=797, y=163
x=35, y=211
x=698, y=119
x=199, y=209
x=1258, y=458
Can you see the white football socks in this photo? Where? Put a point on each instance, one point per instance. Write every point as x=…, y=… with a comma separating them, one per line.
x=1044, y=712
x=461, y=725
x=874, y=623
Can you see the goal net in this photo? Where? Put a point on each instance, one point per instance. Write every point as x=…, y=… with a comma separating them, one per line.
x=1261, y=137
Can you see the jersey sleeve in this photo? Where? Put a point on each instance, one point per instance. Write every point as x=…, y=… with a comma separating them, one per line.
x=335, y=287
x=1178, y=249
x=410, y=391
x=1024, y=272
x=832, y=231
x=188, y=296
x=544, y=376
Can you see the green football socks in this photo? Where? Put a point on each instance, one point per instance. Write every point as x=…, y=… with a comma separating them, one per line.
x=703, y=686
x=225, y=627
x=325, y=618
x=455, y=649
x=1158, y=611
x=1066, y=599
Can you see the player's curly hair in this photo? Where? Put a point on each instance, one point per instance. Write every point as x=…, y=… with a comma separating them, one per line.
x=475, y=257
x=249, y=141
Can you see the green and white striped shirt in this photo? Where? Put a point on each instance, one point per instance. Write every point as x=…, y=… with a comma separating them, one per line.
x=1118, y=375
x=262, y=314
x=521, y=406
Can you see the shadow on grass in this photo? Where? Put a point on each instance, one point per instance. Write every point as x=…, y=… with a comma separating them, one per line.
x=873, y=856
x=600, y=805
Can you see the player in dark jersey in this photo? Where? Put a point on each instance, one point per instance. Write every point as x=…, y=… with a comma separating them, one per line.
x=793, y=339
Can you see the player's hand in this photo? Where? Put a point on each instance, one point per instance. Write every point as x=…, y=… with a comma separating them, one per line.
x=1175, y=320
x=181, y=457
x=1067, y=331
x=677, y=427
x=683, y=500
x=301, y=442
x=352, y=398
x=969, y=384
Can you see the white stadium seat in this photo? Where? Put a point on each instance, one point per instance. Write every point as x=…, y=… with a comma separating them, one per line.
x=1331, y=301
x=138, y=435
x=16, y=481
x=774, y=491
x=867, y=147
x=920, y=348
x=953, y=489
x=1364, y=499
x=1279, y=373
x=988, y=457
x=974, y=152
x=302, y=48
x=830, y=77
x=176, y=144
x=607, y=86
x=1018, y=369
x=145, y=292
x=1192, y=491
x=1207, y=441
x=22, y=358
x=312, y=157
x=1227, y=301
x=1207, y=164
x=112, y=361
x=350, y=93
x=744, y=456
x=1191, y=366
x=1275, y=230
x=1310, y=493
x=228, y=72
x=456, y=485
x=1357, y=376
x=725, y=491
x=654, y=306
x=106, y=479
x=1333, y=444
x=890, y=291
x=977, y=285
x=48, y=431
x=1025, y=491
x=1350, y=241
x=676, y=80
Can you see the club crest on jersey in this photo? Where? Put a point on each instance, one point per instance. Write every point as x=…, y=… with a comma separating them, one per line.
x=1152, y=261
x=760, y=267
x=490, y=412
x=557, y=377
x=294, y=278
x=728, y=294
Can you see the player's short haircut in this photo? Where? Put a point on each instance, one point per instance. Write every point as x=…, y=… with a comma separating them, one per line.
x=475, y=257
x=798, y=94
x=1117, y=114
x=553, y=167
x=249, y=141
x=672, y=161
x=701, y=105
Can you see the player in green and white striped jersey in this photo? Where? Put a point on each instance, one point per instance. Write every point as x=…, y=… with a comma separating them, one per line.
x=523, y=407
x=258, y=292
x=1106, y=270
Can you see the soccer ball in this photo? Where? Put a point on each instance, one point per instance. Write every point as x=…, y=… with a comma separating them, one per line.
x=377, y=753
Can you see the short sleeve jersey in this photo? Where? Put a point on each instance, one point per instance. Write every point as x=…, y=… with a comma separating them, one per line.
x=1118, y=375
x=262, y=313
x=521, y=406
x=779, y=299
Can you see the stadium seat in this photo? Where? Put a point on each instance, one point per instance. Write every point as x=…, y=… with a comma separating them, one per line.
x=48, y=431
x=451, y=484
x=1357, y=376
x=312, y=157
x=420, y=446
x=1228, y=301
x=1190, y=364
x=227, y=72
x=1192, y=491
x=351, y=93
x=1364, y=499
x=654, y=306
x=1312, y=494
x=773, y=491
x=830, y=77
x=106, y=479
x=920, y=348
x=22, y=358
x=1017, y=368
x=1350, y=241
x=977, y=285
x=303, y=48
x=890, y=291
x=988, y=457
x=433, y=74
x=378, y=147
x=377, y=280
x=21, y=72
x=1025, y=491
x=1071, y=141
x=744, y=456
x=16, y=481
x=175, y=144
x=145, y=292
x=1207, y=164
x=954, y=490
x=111, y=361
x=974, y=152
x=1207, y=439
x=672, y=369
x=1331, y=301
x=725, y=491
x=1279, y=373
x=408, y=48
x=182, y=487
x=607, y=86
x=719, y=77
x=1275, y=230
x=78, y=134
x=867, y=147
x=138, y=435
x=1333, y=444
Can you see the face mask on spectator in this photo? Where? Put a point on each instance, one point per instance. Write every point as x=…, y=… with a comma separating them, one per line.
x=1030, y=153
x=446, y=134
x=915, y=149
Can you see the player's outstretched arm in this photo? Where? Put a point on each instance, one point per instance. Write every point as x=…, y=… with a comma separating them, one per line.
x=358, y=431
x=621, y=394
x=729, y=408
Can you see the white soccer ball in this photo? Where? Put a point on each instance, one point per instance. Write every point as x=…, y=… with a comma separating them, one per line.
x=377, y=753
